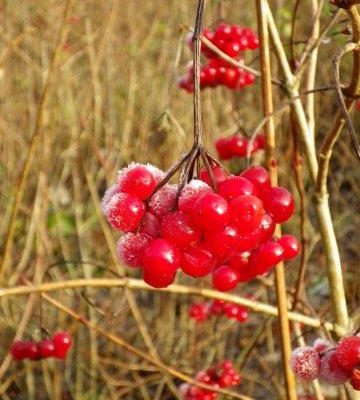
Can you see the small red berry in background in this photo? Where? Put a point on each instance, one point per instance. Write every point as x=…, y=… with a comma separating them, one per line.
x=231, y=40
x=202, y=311
x=57, y=346
x=238, y=146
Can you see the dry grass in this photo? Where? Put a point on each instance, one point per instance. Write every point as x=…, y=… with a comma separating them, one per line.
x=112, y=98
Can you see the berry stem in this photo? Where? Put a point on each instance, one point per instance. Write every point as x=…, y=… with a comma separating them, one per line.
x=271, y=165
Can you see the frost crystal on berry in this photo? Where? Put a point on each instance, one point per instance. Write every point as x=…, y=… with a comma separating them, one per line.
x=163, y=201
x=191, y=192
x=305, y=363
x=331, y=371
x=111, y=192
x=131, y=247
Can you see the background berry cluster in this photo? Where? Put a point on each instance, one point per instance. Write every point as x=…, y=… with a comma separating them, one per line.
x=202, y=311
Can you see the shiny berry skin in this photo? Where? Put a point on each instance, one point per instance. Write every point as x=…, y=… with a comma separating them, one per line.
x=62, y=342
x=46, y=348
x=348, y=352
x=210, y=212
x=125, y=211
x=246, y=212
x=249, y=241
x=305, y=363
x=355, y=379
x=290, y=245
x=259, y=177
x=131, y=247
x=150, y=225
x=197, y=261
x=279, y=203
x=240, y=262
x=267, y=227
x=138, y=181
x=223, y=32
x=18, y=350
x=331, y=371
x=225, y=278
x=158, y=281
x=223, y=243
x=219, y=173
x=191, y=192
x=234, y=311
x=161, y=260
x=238, y=145
x=198, y=312
x=266, y=256
x=235, y=186
x=32, y=351
x=179, y=229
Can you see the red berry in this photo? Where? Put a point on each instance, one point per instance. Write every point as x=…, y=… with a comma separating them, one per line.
x=267, y=227
x=138, y=181
x=46, y=348
x=305, y=363
x=229, y=77
x=246, y=212
x=197, y=261
x=217, y=307
x=225, y=278
x=348, y=352
x=355, y=379
x=32, y=351
x=223, y=32
x=253, y=42
x=235, y=311
x=179, y=229
x=259, y=177
x=219, y=173
x=331, y=371
x=279, y=203
x=191, y=192
x=240, y=262
x=223, y=243
x=18, y=350
x=130, y=248
x=198, y=312
x=62, y=342
x=266, y=256
x=211, y=212
x=161, y=260
x=321, y=345
x=222, y=147
x=235, y=186
x=260, y=141
x=232, y=49
x=249, y=78
x=163, y=201
x=238, y=145
x=125, y=211
x=150, y=225
x=290, y=245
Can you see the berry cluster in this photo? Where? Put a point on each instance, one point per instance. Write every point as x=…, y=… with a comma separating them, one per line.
x=231, y=40
x=238, y=146
x=202, y=311
x=222, y=375
x=228, y=234
x=334, y=365
x=57, y=347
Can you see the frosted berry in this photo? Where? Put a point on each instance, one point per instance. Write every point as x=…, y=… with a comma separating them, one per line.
x=62, y=342
x=131, y=247
x=150, y=225
x=197, y=261
x=246, y=212
x=225, y=278
x=220, y=174
x=348, y=352
x=290, y=245
x=163, y=201
x=305, y=363
x=125, y=211
x=138, y=181
x=235, y=186
x=259, y=177
x=211, y=212
x=223, y=243
x=112, y=191
x=191, y=192
x=355, y=379
x=46, y=348
x=331, y=371
x=279, y=203
x=161, y=260
x=179, y=229
x=18, y=349
x=321, y=345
